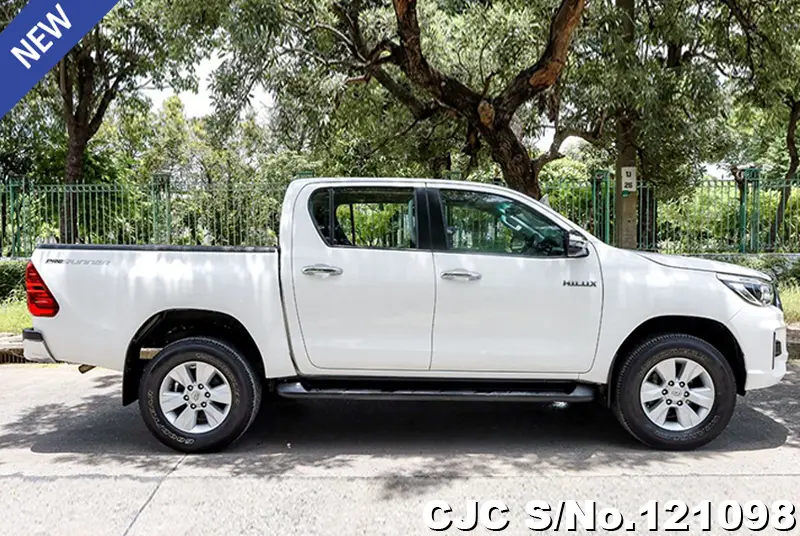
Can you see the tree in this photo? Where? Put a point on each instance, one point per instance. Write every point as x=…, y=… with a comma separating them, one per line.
x=139, y=43
x=759, y=43
x=353, y=39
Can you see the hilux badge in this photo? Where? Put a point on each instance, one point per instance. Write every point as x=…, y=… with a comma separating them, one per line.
x=580, y=283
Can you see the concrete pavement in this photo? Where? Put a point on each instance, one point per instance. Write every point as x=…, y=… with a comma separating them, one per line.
x=73, y=461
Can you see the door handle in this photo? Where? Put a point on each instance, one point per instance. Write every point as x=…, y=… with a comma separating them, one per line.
x=461, y=275
x=322, y=269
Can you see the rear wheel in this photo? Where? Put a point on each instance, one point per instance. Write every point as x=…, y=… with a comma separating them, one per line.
x=675, y=392
x=199, y=395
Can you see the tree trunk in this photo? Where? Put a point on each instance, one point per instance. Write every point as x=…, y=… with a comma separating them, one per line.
x=73, y=175
x=626, y=209
x=513, y=158
x=794, y=163
x=491, y=116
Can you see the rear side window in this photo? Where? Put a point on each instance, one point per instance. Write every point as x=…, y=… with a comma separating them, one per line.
x=368, y=217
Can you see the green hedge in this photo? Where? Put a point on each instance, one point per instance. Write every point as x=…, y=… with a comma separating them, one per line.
x=12, y=280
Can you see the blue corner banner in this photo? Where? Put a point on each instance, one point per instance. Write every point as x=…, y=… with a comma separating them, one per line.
x=35, y=41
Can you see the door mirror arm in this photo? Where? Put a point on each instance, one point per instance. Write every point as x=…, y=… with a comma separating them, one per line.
x=575, y=245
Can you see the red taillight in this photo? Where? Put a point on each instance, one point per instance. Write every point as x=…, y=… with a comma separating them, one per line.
x=40, y=301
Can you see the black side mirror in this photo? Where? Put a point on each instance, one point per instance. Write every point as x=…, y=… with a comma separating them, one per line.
x=576, y=245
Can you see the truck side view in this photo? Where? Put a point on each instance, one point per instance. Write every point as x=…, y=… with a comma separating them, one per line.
x=410, y=289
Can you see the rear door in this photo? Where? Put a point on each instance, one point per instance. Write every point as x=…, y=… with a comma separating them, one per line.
x=508, y=297
x=363, y=277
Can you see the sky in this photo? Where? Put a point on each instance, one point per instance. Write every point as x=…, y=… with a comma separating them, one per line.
x=199, y=104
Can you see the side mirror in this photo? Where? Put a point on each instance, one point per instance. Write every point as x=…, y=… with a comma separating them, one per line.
x=577, y=245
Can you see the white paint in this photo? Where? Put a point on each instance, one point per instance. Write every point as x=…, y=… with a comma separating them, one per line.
x=38, y=39
x=28, y=53
x=55, y=22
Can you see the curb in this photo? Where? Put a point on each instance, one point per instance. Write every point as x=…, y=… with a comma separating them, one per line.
x=12, y=355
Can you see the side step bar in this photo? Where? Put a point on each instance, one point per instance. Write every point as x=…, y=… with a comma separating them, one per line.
x=295, y=389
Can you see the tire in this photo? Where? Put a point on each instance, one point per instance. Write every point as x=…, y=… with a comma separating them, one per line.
x=679, y=431
x=233, y=381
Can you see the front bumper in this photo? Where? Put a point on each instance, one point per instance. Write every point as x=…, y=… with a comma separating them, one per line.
x=34, y=348
x=761, y=332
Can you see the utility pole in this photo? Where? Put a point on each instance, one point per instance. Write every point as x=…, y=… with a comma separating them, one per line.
x=627, y=198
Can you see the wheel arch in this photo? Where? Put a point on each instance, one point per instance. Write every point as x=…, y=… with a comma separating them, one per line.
x=171, y=325
x=712, y=331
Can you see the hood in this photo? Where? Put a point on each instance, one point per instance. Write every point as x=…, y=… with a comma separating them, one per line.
x=703, y=265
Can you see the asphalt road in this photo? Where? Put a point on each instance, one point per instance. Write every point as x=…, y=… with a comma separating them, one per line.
x=74, y=461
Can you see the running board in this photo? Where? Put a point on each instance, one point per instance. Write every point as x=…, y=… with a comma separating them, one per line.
x=578, y=393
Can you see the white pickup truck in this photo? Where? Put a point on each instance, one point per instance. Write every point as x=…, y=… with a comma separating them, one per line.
x=410, y=289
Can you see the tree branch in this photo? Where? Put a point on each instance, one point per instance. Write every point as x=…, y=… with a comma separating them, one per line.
x=471, y=148
x=386, y=141
x=65, y=88
x=349, y=16
x=545, y=72
x=446, y=90
x=592, y=136
x=108, y=96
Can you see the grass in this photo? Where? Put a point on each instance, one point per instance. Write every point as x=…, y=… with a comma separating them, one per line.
x=790, y=296
x=14, y=317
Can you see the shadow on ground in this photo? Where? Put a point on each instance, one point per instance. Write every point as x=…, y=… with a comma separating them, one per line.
x=424, y=441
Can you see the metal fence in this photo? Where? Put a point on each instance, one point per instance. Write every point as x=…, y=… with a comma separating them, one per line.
x=158, y=213
x=707, y=218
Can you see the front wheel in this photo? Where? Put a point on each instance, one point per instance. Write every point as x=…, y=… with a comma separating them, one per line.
x=675, y=392
x=199, y=395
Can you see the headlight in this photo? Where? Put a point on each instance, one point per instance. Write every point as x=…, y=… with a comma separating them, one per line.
x=752, y=290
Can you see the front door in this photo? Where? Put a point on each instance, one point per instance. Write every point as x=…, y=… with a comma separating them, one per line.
x=364, y=289
x=508, y=297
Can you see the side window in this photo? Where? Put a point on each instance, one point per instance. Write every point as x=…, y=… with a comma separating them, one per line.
x=489, y=223
x=368, y=217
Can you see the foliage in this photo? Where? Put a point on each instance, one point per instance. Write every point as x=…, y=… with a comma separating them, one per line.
x=12, y=279
x=473, y=53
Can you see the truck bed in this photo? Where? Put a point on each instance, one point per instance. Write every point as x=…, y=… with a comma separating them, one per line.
x=106, y=294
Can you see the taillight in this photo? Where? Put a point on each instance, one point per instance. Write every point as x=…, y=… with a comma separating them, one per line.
x=40, y=301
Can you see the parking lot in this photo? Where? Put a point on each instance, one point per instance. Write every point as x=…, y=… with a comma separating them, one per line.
x=74, y=461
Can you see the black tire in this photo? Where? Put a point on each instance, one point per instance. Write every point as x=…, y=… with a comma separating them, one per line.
x=626, y=386
x=245, y=394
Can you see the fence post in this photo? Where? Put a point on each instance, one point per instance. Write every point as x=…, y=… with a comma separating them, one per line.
x=600, y=204
x=153, y=217
x=749, y=176
x=169, y=211
x=753, y=176
x=12, y=203
x=743, y=218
